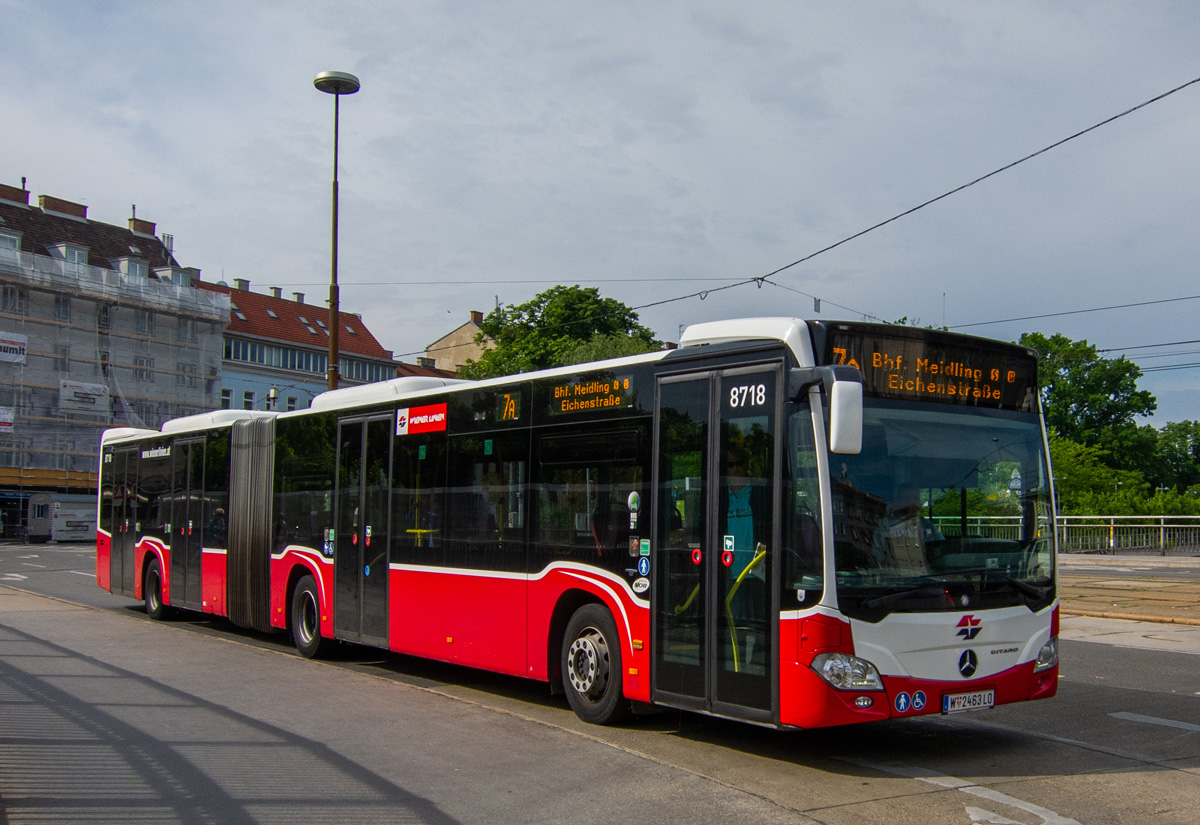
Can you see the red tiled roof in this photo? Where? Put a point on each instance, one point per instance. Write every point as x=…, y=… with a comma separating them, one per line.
x=405, y=370
x=289, y=323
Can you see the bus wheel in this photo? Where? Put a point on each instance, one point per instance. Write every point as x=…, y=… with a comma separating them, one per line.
x=306, y=620
x=591, y=666
x=152, y=592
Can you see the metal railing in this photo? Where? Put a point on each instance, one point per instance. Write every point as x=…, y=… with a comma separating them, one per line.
x=1145, y=535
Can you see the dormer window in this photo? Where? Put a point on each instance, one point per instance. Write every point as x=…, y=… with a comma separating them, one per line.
x=134, y=267
x=351, y=330
x=233, y=308
x=10, y=245
x=271, y=314
x=75, y=256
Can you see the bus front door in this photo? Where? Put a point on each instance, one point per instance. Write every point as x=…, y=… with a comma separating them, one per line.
x=713, y=595
x=360, y=598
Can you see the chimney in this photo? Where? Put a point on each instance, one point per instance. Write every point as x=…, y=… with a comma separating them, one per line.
x=140, y=226
x=276, y=292
x=242, y=284
x=62, y=207
x=476, y=317
x=427, y=363
x=298, y=297
x=14, y=194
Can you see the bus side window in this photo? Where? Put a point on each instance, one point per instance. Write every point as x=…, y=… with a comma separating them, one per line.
x=486, y=502
x=419, y=500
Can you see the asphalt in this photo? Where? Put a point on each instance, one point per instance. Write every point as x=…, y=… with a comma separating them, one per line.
x=1134, y=588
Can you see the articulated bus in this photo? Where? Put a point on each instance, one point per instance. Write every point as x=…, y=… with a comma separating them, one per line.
x=796, y=524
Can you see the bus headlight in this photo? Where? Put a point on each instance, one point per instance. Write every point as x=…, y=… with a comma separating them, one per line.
x=846, y=672
x=1047, y=657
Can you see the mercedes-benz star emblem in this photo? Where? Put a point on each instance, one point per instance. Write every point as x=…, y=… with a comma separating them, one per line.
x=967, y=663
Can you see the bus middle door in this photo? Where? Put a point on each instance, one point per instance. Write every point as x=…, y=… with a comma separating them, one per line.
x=360, y=596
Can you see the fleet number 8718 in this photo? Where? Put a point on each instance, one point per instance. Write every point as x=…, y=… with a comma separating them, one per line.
x=750, y=395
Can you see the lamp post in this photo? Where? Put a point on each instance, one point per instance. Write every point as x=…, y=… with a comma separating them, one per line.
x=336, y=84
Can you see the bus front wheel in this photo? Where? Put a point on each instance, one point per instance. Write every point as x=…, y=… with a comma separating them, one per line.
x=306, y=620
x=591, y=666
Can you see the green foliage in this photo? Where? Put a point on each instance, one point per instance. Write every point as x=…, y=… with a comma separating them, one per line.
x=601, y=347
x=544, y=332
x=1088, y=398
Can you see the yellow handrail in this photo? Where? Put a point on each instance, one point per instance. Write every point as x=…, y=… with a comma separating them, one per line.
x=760, y=552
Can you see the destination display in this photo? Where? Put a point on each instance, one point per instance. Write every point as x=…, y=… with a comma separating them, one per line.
x=924, y=368
x=591, y=393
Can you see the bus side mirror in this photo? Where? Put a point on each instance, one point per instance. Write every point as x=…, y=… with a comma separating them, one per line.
x=843, y=390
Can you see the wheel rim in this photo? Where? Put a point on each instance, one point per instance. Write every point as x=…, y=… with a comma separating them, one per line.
x=306, y=621
x=587, y=664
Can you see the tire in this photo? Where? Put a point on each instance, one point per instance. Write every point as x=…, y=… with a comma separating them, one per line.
x=152, y=592
x=591, y=667
x=306, y=620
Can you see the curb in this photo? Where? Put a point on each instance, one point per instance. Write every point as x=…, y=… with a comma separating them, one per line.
x=1129, y=617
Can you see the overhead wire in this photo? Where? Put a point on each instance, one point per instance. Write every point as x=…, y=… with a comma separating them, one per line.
x=760, y=280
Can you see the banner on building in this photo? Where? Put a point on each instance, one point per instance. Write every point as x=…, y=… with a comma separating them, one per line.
x=6, y=419
x=80, y=397
x=12, y=347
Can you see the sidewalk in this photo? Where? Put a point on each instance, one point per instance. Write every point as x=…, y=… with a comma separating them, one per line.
x=1101, y=587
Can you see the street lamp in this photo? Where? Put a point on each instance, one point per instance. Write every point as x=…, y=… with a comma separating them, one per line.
x=336, y=84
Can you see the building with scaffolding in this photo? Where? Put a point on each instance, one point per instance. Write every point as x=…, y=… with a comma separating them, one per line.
x=99, y=327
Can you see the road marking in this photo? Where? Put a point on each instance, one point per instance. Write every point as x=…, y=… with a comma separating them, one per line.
x=34, y=556
x=983, y=792
x=31, y=564
x=1153, y=720
x=13, y=577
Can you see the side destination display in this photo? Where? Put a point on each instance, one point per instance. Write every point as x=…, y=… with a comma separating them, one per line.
x=925, y=367
x=591, y=393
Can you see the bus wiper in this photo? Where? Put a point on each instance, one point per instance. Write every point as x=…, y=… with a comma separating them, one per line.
x=1023, y=587
x=894, y=598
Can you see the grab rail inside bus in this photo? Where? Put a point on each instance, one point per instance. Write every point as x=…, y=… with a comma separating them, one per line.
x=759, y=555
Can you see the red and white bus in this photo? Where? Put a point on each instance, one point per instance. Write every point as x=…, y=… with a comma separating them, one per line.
x=791, y=523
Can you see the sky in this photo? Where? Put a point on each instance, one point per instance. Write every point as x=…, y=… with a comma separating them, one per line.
x=653, y=150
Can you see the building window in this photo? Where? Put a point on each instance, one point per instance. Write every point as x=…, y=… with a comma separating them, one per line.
x=102, y=362
x=185, y=329
x=13, y=300
x=104, y=317
x=77, y=258
x=62, y=359
x=291, y=402
x=226, y=398
x=10, y=246
x=186, y=374
x=143, y=369
x=145, y=322
x=62, y=308
x=136, y=268
x=247, y=399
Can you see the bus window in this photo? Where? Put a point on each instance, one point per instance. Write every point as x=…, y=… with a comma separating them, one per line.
x=486, y=502
x=802, y=579
x=590, y=489
x=419, y=500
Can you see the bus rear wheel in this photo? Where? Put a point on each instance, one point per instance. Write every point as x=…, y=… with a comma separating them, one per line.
x=152, y=592
x=591, y=667
x=306, y=620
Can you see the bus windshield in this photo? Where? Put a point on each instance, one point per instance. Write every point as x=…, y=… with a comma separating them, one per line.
x=946, y=508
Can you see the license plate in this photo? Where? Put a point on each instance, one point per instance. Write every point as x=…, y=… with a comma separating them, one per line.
x=976, y=700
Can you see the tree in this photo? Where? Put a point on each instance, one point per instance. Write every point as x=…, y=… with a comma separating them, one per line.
x=1089, y=399
x=543, y=332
